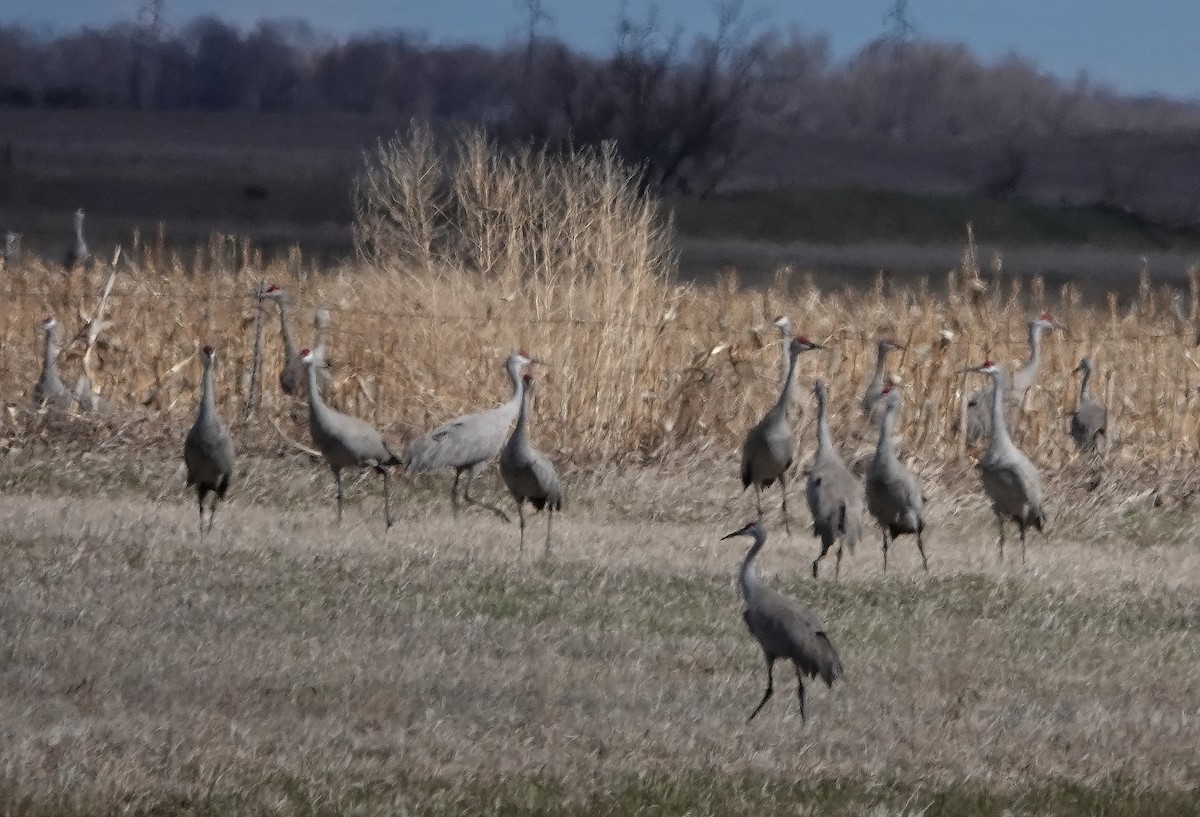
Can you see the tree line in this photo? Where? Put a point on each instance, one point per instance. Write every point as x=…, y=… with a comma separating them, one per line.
x=684, y=108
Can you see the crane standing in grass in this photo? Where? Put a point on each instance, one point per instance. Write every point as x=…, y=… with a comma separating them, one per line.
x=208, y=448
x=49, y=390
x=78, y=253
x=768, y=448
x=783, y=627
x=835, y=496
x=1009, y=478
x=345, y=441
x=293, y=377
x=979, y=411
x=894, y=495
x=469, y=443
x=1089, y=421
x=529, y=475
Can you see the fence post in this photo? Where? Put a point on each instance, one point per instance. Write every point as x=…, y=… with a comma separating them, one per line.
x=256, y=353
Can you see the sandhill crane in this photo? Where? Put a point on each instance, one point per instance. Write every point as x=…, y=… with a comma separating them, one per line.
x=979, y=410
x=784, y=324
x=346, y=441
x=894, y=495
x=768, y=448
x=1089, y=422
x=875, y=388
x=1009, y=478
x=783, y=627
x=49, y=390
x=78, y=252
x=529, y=475
x=293, y=377
x=208, y=448
x=472, y=441
x=835, y=496
x=10, y=249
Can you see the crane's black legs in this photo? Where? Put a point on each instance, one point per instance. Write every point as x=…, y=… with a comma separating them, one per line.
x=758, y=499
x=837, y=565
x=887, y=540
x=521, y=518
x=921, y=549
x=824, y=549
x=800, y=693
x=337, y=479
x=454, y=492
x=200, y=492
x=787, y=526
x=549, y=522
x=212, y=511
x=387, y=503
x=1021, y=525
x=1000, y=527
x=471, y=474
x=770, y=689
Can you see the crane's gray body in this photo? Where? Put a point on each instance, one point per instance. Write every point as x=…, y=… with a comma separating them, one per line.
x=467, y=444
x=893, y=492
x=208, y=448
x=529, y=474
x=1010, y=480
x=769, y=448
x=1089, y=422
x=49, y=390
x=979, y=405
x=78, y=253
x=835, y=496
x=345, y=441
x=783, y=627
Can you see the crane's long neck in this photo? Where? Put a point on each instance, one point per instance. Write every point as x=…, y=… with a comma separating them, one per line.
x=1083, y=385
x=208, y=400
x=319, y=339
x=785, y=361
x=880, y=360
x=789, y=384
x=887, y=444
x=1000, y=436
x=1035, y=347
x=48, y=351
x=289, y=343
x=520, y=432
x=79, y=228
x=514, y=400
x=824, y=439
x=748, y=575
x=316, y=405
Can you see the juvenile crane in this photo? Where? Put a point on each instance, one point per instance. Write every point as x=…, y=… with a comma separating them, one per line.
x=870, y=398
x=469, y=443
x=78, y=253
x=768, y=448
x=208, y=448
x=1089, y=422
x=49, y=390
x=835, y=496
x=979, y=410
x=783, y=627
x=346, y=442
x=894, y=494
x=293, y=377
x=1009, y=478
x=529, y=475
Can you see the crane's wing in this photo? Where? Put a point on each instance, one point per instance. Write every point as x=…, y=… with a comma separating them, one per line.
x=460, y=443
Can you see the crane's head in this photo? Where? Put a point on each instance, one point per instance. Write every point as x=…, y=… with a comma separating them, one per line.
x=276, y=294
x=307, y=357
x=888, y=344
x=820, y=390
x=208, y=354
x=527, y=379
x=1045, y=321
x=988, y=367
x=801, y=343
x=753, y=528
x=49, y=323
x=520, y=359
x=1085, y=365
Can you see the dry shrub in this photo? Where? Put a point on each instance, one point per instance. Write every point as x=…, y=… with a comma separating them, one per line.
x=479, y=252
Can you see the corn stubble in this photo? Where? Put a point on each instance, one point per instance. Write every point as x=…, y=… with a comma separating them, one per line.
x=282, y=666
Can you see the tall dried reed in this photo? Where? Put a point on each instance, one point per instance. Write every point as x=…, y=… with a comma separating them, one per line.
x=478, y=252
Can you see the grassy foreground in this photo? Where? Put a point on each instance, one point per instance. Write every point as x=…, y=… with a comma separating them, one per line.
x=287, y=666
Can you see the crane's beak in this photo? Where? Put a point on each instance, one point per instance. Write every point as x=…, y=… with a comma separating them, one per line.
x=731, y=535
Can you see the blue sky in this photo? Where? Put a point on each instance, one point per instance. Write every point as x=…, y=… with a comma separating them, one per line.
x=1144, y=47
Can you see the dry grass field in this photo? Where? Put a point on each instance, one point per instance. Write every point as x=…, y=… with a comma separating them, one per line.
x=284, y=665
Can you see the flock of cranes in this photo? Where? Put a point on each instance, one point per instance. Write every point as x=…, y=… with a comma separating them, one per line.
x=838, y=501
